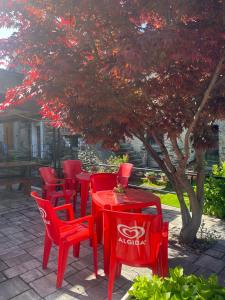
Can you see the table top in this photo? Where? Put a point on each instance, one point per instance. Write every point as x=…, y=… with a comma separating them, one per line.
x=84, y=176
x=19, y=163
x=131, y=197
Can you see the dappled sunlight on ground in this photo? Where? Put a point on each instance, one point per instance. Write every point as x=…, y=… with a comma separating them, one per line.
x=21, y=247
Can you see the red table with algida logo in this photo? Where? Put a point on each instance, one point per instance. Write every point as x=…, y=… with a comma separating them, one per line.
x=133, y=200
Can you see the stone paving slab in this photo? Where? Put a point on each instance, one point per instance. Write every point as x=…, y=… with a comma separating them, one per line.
x=12, y=287
x=21, y=249
x=28, y=295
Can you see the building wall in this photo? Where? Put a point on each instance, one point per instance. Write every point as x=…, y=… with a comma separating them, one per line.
x=136, y=144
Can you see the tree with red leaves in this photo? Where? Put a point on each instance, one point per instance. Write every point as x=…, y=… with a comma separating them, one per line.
x=111, y=69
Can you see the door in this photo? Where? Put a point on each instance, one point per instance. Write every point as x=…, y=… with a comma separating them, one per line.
x=8, y=135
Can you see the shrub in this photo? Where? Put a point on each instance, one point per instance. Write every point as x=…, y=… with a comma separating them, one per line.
x=219, y=170
x=150, y=177
x=116, y=161
x=214, y=204
x=177, y=286
x=155, y=178
x=214, y=191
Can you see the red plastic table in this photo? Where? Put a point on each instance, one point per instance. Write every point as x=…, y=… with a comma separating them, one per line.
x=133, y=200
x=84, y=180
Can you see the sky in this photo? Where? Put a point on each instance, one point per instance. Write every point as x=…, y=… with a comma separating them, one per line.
x=5, y=32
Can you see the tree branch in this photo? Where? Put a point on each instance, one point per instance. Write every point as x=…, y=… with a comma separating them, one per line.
x=176, y=148
x=153, y=153
x=200, y=176
x=165, y=153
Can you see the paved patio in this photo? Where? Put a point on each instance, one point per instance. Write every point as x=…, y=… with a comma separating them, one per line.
x=21, y=275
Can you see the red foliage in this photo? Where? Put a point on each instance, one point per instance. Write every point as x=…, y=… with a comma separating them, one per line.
x=116, y=68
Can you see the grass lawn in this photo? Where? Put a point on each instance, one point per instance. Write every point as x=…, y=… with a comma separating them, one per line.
x=154, y=185
x=167, y=199
x=171, y=199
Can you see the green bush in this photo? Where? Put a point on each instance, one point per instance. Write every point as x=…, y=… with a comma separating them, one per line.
x=177, y=286
x=116, y=161
x=219, y=170
x=214, y=190
x=154, y=179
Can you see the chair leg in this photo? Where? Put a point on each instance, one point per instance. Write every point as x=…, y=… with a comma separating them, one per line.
x=118, y=270
x=112, y=273
x=164, y=263
x=74, y=202
x=99, y=226
x=56, y=202
x=106, y=250
x=47, y=249
x=95, y=254
x=164, y=251
x=62, y=259
x=76, y=250
x=155, y=269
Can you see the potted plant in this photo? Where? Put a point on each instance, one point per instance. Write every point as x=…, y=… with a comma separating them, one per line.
x=151, y=176
x=176, y=287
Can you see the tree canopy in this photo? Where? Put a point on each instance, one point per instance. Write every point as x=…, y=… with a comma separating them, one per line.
x=115, y=68
x=141, y=65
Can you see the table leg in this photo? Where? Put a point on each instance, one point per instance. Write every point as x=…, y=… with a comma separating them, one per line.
x=84, y=198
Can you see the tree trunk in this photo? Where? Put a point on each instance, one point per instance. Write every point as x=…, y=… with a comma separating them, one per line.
x=190, y=221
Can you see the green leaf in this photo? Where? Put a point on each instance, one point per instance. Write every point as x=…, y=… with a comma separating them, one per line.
x=176, y=287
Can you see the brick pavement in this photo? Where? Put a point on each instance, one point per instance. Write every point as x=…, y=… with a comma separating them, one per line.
x=21, y=246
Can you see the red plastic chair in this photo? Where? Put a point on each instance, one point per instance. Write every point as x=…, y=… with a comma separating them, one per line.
x=70, y=169
x=124, y=173
x=103, y=181
x=65, y=234
x=50, y=183
x=136, y=240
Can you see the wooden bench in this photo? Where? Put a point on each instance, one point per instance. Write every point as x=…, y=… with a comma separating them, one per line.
x=24, y=183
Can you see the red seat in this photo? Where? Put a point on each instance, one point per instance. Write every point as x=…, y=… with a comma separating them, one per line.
x=50, y=183
x=136, y=240
x=64, y=234
x=124, y=173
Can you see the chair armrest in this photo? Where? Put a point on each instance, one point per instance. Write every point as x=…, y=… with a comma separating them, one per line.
x=57, y=184
x=54, y=184
x=88, y=219
x=67, y=207
x=68, y=178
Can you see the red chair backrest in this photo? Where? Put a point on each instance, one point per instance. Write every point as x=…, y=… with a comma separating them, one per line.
x=124, y=173
x=103, y=181
x=125, y=170
x=72, y=168
x=48, y=175
x=135, y=238
x=49, y=217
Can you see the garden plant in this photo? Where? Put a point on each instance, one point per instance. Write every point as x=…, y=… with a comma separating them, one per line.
x=214, y=187
x=176, y=287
